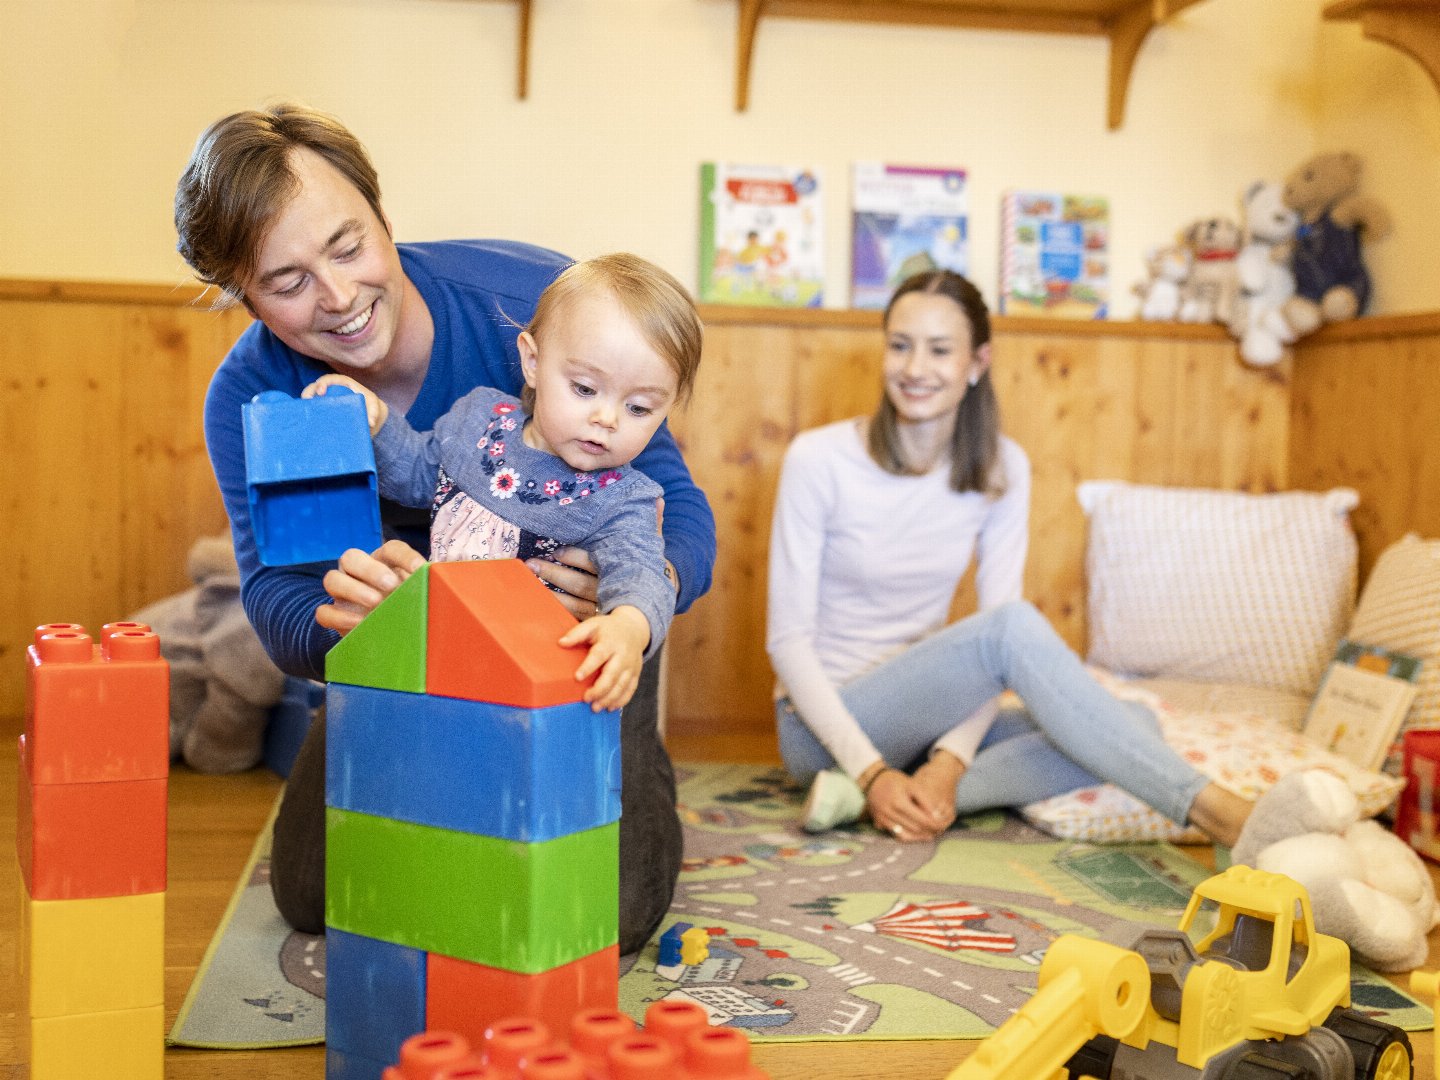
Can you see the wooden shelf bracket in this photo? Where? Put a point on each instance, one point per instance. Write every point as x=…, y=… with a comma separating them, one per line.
x=1412, y=26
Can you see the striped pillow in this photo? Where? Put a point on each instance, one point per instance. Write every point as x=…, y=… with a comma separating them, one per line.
x=1218, y=586
x=1400, y=610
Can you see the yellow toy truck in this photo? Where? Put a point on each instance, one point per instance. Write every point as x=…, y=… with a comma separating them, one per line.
x=1261, y=997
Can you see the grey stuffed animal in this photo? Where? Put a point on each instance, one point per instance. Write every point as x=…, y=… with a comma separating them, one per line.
x=222, y=683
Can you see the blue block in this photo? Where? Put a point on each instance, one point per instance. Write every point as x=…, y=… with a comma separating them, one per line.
x=670, y=944
x=470, y=766
x=342, y=1066
x=310, y=476
x=374, y=996
x=289, y=722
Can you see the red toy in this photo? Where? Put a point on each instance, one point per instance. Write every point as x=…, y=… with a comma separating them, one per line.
x=677, y=1043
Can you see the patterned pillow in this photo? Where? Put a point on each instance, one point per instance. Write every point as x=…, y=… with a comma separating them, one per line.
x=1218, y=586
x=1243, y=752
x=1400, y=610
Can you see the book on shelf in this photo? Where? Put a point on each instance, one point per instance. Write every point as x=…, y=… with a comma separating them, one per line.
x=905, y=219
x=1054, y=255
x=1362, y=701
x=761, y=235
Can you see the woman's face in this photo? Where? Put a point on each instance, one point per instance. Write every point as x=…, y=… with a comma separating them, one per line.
x=928, y=357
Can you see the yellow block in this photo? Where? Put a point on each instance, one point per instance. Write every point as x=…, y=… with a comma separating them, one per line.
x=127, y=1044
x=93, y=956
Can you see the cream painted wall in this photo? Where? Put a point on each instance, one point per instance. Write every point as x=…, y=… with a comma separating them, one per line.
x=104, y=99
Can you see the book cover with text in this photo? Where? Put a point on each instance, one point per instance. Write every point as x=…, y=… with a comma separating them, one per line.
x=906, y=219
x=1054, y=255
x=761, y=235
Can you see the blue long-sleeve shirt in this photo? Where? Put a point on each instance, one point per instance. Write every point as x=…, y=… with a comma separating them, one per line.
x=479, y=293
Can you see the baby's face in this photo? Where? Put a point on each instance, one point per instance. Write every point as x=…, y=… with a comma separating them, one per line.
x=601, y=389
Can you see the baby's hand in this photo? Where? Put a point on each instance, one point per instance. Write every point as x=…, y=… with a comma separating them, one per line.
x=617, y=647
x=375, y=409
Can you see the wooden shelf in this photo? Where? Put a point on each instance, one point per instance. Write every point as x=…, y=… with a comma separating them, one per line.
x=1412, y=26
x=1126, y=23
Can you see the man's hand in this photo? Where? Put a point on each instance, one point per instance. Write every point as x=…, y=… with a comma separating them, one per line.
x=361, y=581
x=574, y=573
x=617, y=646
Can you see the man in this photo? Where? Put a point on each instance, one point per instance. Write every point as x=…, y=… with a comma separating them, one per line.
x=280, y=209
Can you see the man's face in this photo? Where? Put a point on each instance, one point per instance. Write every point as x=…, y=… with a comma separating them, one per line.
x=328, y=280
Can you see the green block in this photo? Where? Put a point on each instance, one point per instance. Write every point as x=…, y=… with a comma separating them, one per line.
x=387, y=649
x=521, y=907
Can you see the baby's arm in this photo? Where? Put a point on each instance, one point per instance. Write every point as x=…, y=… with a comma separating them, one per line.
x=617, y=647
x=375, y=409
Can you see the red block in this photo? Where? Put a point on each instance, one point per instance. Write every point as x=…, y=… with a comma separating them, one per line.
x=493, y=633
x=466, y=997
x=83, y=841
x=97, y=713
x=1418, y=820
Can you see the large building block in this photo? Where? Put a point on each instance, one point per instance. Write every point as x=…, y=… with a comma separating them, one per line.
x=79, y=841
x=310, y=476
x=345, y=1065
x=467, y=998
x=493, y=636
x=499, y=770
x=92, y=956
x=522, y=907
x=97, y=713
x=387, y=650
x=375, y=995
x=127, y=1044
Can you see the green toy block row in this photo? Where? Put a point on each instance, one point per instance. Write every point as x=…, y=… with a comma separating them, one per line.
x=523, y=907
x=388, y=653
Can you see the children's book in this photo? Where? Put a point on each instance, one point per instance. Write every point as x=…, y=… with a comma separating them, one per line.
x=1362, y=702
x=1054, y=258
x=906, y=220
x=761, y=235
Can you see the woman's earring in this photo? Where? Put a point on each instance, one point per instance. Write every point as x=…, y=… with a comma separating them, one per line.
x=974, y=377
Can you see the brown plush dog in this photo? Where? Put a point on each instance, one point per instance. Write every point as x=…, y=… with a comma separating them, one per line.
x=1208, y=294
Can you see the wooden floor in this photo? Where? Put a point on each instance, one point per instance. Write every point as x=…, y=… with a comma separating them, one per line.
x=213, y=823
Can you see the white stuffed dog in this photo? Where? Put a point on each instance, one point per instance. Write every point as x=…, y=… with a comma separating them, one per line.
x=1367, y=886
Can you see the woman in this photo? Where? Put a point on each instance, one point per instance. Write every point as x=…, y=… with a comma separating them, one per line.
x=881, y=707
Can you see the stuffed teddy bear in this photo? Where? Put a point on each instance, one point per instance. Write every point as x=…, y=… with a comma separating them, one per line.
x=1263, y=274
x=1168, y=266
x=1208, y=294
x=222, y=683
x=1366, y=885
x=1331, y=281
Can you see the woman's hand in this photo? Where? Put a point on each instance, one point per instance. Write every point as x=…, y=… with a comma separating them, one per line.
x=573, y=572
x=360, y=581
x=938, y=777
x=905, y=807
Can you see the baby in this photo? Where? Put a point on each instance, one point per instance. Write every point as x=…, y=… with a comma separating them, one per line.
x=614, y=345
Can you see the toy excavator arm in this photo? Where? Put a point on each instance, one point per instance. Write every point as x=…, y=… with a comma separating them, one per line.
x=1087, y=988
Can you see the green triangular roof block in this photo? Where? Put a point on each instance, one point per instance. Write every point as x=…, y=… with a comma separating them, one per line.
x=387, y=649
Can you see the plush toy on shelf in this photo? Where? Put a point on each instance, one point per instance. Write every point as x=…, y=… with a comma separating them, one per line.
x=1366, y=885
x=1208, y=294
x=1263, y=272
x=1331, y=281
x=1159, y=293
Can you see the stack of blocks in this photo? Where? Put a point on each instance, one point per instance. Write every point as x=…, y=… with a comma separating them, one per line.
x=94, y=765
x=310, y=476
x=472, y=809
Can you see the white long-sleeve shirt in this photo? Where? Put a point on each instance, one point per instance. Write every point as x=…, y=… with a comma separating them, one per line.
x=864, y=563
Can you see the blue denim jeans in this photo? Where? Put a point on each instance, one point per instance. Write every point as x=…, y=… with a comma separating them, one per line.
x=1072, y=734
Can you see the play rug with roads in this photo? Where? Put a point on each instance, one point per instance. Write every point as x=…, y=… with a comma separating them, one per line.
x=848, y=934
x=851, y=933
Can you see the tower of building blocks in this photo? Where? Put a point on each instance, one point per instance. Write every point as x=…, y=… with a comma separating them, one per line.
x=676, y=1043
x=94, y=766
x=472, y=808
x=310, y=476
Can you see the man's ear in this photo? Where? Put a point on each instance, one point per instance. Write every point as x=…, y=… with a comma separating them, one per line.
x=529, y=356
x=385, y=220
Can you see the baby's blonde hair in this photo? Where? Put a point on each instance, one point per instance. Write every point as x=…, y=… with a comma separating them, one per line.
x=657, y=304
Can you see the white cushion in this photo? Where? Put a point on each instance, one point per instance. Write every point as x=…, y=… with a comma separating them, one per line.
x=1400, y=611
x=1243, y=752
x=1218, y=586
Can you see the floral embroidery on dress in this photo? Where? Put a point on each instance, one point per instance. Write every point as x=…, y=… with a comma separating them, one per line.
x=506, y=481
